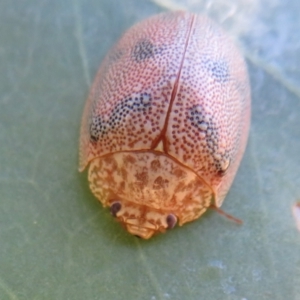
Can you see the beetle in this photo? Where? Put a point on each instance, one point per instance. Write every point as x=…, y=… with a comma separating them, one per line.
x=166, y=122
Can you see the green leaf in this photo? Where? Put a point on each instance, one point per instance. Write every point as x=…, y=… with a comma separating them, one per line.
x=57, y=242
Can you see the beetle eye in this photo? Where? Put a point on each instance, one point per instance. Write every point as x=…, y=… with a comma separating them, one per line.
x=171, y=221
x=115, y=208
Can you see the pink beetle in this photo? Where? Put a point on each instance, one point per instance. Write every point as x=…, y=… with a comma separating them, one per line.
x=166, y=122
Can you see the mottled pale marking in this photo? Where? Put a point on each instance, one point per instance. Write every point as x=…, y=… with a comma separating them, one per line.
x=150, y=187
